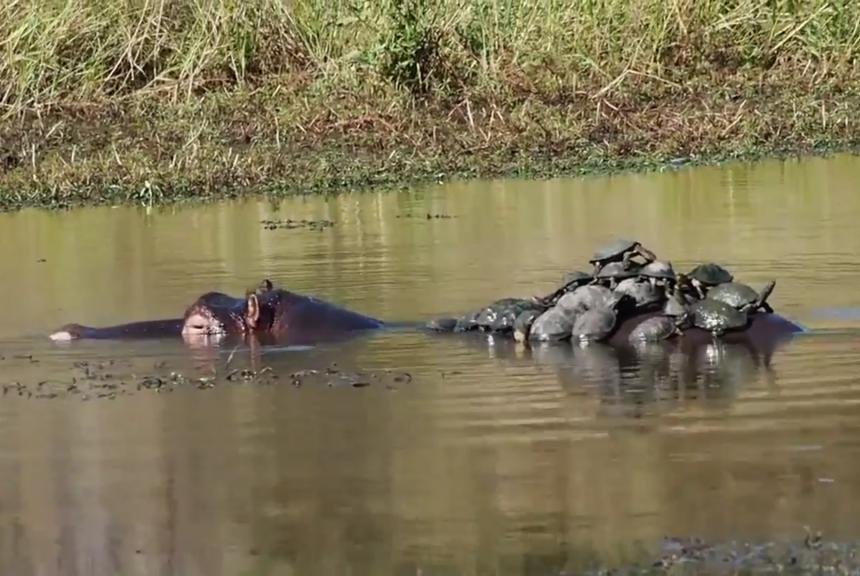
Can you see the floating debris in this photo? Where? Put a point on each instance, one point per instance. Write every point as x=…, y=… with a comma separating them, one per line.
x=689, y=555
x=108, y=380
x=290, y=224
x=427, y=216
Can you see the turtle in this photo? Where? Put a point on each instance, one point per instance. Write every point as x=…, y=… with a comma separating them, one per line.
x=523, y=323
x=658, y=272
x=442, y=324
x=676, y=306
x=584, y=298
x=507, y=315
x=467, y=322
x=594, y=325
x=620, y=250
x=553, y=325
x=643, y=293
x=614, y=272
x=717, y=317
x=707, y=275
x=742, y=297
x=654, y=329
x=489, y=314
x=569, y=282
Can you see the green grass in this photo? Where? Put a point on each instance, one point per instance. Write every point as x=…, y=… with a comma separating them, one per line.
x=153, y=100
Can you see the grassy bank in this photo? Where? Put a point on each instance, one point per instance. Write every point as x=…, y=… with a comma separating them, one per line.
x=156, y=101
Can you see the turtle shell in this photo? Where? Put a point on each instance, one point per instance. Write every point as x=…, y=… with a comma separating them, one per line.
x=617, y=270
x=675, y=305
x=653, y=329
x=490, y=314
x=658, y=269
x=710, y=274
x=717, y=316
x=551, y=326
x=523, y=324
x=570, y=282
x=584, y=298
x=613, y=249
x=734, y=294
x=467, y=322
x=507, y=315
x=594, y=325
x=642, y=292
x=442, y=324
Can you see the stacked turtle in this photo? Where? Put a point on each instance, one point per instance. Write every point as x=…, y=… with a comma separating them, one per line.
x=627, y=280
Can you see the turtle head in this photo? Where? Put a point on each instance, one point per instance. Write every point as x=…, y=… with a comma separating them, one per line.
x=764, y=294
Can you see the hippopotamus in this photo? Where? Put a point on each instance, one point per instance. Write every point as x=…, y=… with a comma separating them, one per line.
x=267, y=312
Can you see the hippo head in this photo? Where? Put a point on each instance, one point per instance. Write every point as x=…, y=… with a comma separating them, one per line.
x=215, y=314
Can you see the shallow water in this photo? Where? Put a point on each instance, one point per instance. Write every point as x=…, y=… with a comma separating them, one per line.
x=419, y=453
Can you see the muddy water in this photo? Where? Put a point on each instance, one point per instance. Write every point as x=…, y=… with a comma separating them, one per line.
x=412, y=453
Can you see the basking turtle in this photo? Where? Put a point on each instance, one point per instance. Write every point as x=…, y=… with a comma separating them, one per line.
x=489, y=314
x=570, y=282
x=717, y=317
x=614, y=272
x=707, y=275
x=442, y=324
x=658, y=272
x=594, y=325
x=742, y=297
x=676, y=307
x=620, y=250
x=507, y=315
x=584, y=298
x=467, y=322
x=553, y=325
x=523, y=324
x=643, y=293
x=654, y=329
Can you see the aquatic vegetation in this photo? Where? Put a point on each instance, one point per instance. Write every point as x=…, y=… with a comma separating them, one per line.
x=150, y=102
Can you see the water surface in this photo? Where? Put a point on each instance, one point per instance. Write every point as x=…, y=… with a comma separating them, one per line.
x=487, y=458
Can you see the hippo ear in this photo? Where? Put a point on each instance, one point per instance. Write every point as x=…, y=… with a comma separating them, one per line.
x=252, y=310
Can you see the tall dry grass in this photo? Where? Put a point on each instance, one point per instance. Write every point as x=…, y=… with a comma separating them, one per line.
x=72, y=51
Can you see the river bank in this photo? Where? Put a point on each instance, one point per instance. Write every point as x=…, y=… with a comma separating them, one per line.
x=414, y=99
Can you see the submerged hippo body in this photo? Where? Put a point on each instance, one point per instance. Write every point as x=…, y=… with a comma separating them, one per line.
x=763, y=332
x=269, y=313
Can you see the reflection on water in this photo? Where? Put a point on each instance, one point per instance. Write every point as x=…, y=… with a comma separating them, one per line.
x=490, y=457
